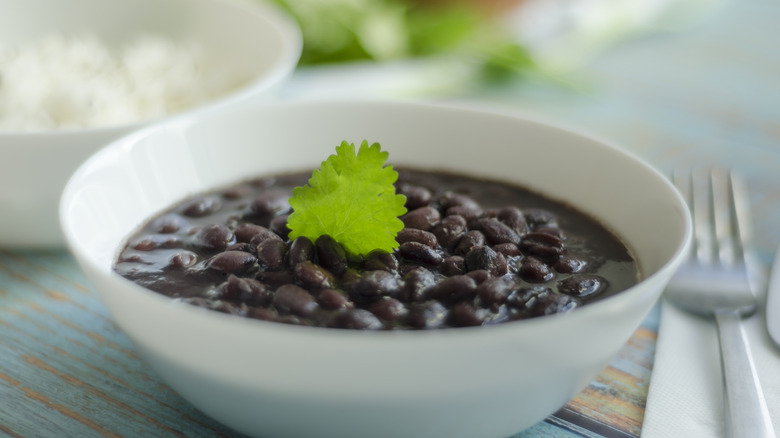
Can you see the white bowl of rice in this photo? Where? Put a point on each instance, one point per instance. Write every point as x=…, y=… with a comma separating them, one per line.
x=76, y=75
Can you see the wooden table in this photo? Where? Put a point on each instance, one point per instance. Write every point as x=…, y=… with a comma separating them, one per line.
x=709, y=96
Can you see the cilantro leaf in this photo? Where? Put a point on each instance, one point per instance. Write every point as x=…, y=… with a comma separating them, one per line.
x=352, y=199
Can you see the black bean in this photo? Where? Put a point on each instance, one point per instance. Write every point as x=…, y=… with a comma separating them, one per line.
x=484, y=257
x=450, y=230
x=539, y=217
x=416, y=282
x=168, y=224
x=496, y=315
x=214, y=237
x=312, y=276
x=514, y=218
x=453, y=265
x=252, y=291
x=507, y=249
x=470, y=239
x=183, y=260
x=494, y=291
x=241, y=246
x=388, y=309
x=145, y=244
x=301, y=250
x=271, y=254
x=360, y=319
x=330, y=254
x=468, y=213
x=464, y=315
x=237, y=192
x=263, y=313
x=534, y=270
x=451, y=199
x=570, y=264
x=248, y=231
x=271, y=203
x=490, y=213
x=496, y=232
x=427, y=315
x=381, y=260
x=246, y=290
x=416, y=196
x=350, y=277
x=479, y=276
x=553, y=231
x=542, y=245
x=523, y=299
x=373, y=284
x=407, y=266
x=130, y=258
x=233, y=262
x=263, y=236
x=279, y=226
x=171, y=242
x=333, y=299
x=453, y=289
x=423, y=218
x=290, y=298
x=419, y=252
x=552, y=303
x=154, y=241
x=415, y=235
x=275, y=278
x=203, y=206
x=582, y=285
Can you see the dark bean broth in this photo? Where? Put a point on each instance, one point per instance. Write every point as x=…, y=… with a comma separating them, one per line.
x=473, y=252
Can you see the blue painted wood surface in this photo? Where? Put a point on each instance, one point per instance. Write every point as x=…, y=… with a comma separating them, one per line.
x=711, y=95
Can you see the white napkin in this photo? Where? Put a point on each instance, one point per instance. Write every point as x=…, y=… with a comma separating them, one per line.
x=686, y=391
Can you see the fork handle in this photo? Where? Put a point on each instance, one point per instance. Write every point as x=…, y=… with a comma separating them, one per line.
x=747, y=414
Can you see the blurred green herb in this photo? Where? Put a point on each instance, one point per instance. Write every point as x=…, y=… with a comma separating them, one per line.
x=384, y=30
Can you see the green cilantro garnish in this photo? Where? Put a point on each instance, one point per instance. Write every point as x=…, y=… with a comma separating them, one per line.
x=352, y=199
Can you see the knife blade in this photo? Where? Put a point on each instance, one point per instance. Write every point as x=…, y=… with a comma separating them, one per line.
x=773, y=301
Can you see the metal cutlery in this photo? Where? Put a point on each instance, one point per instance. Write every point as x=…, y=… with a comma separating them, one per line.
x=773, y=301
x=714, y=281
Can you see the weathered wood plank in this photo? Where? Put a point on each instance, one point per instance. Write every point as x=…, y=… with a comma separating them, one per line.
x=66, y=370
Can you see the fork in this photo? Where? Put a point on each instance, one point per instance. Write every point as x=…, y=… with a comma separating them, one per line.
x=715, y=282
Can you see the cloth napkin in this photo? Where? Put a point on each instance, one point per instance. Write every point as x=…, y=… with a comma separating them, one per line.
x=685, y=397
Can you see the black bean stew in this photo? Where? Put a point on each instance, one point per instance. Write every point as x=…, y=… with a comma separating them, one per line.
x=473, y=252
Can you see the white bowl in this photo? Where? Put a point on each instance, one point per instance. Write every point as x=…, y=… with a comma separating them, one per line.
x=251, y=36
x=272, y=379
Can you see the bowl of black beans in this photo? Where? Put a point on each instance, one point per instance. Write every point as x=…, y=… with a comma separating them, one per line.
x=345, y=268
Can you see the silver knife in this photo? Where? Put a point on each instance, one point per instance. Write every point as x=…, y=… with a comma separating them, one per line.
x=773, y=301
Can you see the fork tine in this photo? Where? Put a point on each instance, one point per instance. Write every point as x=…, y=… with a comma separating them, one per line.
x=724, y=218
x=701, y=210
x=743, y=220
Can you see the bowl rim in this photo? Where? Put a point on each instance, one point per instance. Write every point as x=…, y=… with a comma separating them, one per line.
x=189, y=120
x=274, y=17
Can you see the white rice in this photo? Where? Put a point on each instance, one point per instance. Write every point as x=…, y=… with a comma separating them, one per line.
x=77, y=81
